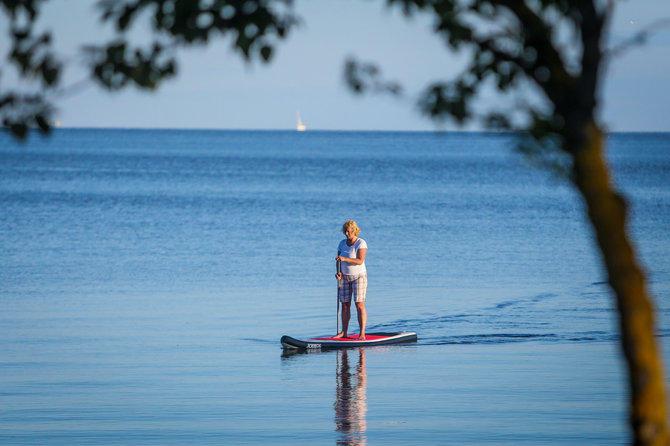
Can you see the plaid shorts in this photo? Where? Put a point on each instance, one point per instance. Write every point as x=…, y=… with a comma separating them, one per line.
x=352, y=288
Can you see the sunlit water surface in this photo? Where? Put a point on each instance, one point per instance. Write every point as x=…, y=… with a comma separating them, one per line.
x=146, y=277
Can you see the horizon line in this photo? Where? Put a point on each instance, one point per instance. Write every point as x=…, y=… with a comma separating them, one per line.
x=291, y=130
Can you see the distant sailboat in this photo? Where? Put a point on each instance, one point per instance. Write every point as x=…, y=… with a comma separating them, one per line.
x=300, y=127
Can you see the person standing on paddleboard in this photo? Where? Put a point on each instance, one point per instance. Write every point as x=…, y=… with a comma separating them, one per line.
x=353, y=280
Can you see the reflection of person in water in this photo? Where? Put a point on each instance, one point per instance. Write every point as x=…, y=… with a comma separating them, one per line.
x=350, y=404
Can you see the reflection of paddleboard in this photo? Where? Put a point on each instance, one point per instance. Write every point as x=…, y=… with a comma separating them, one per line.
x=371, y=339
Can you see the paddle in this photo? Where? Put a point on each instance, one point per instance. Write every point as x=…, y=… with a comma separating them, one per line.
x=339, y=271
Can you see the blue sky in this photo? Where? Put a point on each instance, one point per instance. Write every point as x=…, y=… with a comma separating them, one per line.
x=216, y=89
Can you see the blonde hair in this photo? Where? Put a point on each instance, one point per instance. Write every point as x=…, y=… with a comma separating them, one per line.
x=352, y=225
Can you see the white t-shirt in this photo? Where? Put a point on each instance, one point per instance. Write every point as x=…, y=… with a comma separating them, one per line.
x=352, y=253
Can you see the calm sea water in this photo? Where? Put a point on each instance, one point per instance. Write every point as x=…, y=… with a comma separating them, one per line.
x=146, y=277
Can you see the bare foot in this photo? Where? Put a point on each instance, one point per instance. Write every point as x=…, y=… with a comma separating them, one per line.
x=361, y=337
x=340, y=335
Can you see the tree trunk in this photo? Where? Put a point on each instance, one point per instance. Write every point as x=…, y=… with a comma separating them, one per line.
x=607, y=213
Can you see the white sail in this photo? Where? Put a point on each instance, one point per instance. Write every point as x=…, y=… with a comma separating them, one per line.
x=300, y=127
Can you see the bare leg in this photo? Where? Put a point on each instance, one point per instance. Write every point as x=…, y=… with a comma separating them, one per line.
x=362, y=318
x=346, y=315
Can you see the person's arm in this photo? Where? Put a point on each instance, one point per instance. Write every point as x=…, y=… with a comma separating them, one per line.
x=360, y=257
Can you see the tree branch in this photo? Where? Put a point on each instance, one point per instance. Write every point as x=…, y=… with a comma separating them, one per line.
x=537, y=35
x=639, y=38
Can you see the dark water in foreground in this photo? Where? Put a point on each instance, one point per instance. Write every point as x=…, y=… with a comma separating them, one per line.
x=147, y=276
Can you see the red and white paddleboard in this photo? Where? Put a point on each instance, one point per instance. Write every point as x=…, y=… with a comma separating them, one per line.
x=371, y=339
